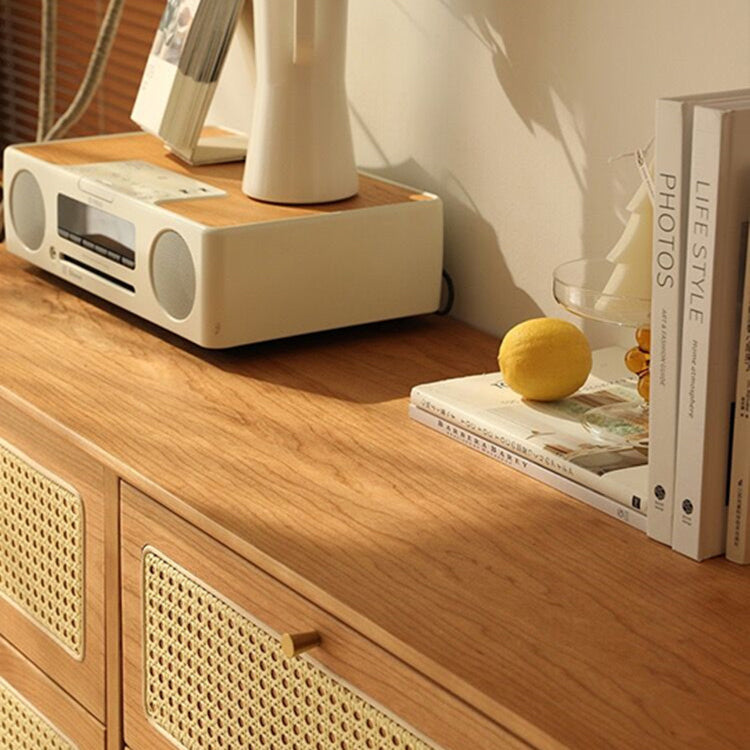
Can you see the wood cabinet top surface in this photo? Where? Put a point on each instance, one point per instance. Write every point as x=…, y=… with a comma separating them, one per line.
x=564, y=625
x=233, y=208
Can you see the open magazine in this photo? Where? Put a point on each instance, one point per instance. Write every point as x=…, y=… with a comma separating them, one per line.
x=551, y=434
x=182, y=73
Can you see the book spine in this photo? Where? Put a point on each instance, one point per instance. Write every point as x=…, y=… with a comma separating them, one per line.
x=529, y=450
x=519, y=463
x=671, y=174
x=738, y=525
x=698, y=529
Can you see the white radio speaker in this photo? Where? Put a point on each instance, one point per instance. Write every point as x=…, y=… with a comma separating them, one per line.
x=184, y=248
x=27, y=209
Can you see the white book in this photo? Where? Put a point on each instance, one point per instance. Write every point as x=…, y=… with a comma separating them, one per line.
x=674, y=132
x=738, y=517
x=719, y=205
x=551, y=434
x=535, y=471
x=182, y=72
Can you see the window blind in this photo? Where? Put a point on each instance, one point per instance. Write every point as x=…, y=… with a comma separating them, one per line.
x=78, y=23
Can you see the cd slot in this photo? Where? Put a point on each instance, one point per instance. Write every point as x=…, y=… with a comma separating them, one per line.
x=97, y=272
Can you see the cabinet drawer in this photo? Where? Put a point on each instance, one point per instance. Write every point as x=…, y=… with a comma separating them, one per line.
x=35, y=714
x=203, y=665
x=51, y=554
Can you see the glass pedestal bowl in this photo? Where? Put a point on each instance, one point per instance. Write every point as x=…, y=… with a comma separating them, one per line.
x=583, y=287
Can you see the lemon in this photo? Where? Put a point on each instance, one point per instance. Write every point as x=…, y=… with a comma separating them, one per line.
x=545, y=359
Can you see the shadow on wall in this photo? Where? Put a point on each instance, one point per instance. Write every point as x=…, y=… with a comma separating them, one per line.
x=549, y=87
x=529, y=70
x=534, y=73
x=465, y=225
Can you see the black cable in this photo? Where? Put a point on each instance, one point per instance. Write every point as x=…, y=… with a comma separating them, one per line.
x=450, y=294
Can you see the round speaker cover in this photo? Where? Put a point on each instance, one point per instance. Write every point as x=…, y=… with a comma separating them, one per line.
x=173, y=274
x=27, y=209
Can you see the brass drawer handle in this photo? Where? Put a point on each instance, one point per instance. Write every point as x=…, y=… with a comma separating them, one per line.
x=294, y=644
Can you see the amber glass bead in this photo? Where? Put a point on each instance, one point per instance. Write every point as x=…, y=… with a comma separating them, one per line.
x=643, y=337
x=637, y=360
x=644, y=385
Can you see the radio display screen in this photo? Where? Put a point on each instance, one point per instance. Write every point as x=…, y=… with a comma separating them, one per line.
x=105, y=234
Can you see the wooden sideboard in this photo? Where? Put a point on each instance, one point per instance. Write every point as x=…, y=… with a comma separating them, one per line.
x=217, y=499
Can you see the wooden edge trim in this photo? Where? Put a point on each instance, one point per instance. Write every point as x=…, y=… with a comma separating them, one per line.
x=112, y=611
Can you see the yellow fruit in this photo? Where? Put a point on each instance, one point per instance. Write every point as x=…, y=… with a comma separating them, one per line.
x=545, y=359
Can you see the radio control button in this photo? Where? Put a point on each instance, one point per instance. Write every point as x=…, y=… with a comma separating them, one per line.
x=95, y=189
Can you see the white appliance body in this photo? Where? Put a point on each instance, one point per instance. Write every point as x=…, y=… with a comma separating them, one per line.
x=104, y=231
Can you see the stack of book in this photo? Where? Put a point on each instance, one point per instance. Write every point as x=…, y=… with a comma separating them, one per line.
x=700, y=457
x=691, y=491
x=548, y=441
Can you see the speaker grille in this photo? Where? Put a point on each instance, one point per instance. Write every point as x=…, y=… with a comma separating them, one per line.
x=27, y=209
x=215, y=679
x=41, y=549
x=173, y=275
x=22, y=727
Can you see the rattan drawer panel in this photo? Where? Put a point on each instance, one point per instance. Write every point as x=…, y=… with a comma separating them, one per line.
x=51, y=552
x=23, y=725
x=203, y=667
x=208, y=664
x=41, y=548
x=35, y=714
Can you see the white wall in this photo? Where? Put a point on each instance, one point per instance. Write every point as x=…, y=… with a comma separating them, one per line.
x=509, y=109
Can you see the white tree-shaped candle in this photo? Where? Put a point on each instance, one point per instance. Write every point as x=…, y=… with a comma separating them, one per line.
x=631, y=254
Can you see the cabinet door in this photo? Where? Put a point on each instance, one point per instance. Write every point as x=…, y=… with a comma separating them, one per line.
x=51, y=553
x=203, y=666
x=35, y=714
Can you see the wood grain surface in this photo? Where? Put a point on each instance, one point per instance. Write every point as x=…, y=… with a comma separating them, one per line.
x=565, y=626
x=112, y=611
x=233, y=209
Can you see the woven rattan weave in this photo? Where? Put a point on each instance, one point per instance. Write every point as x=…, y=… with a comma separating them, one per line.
x=23, y=728
x=216, y=679
x=41, y=548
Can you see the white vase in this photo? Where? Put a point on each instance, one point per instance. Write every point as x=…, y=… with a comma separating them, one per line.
x=300, y=148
